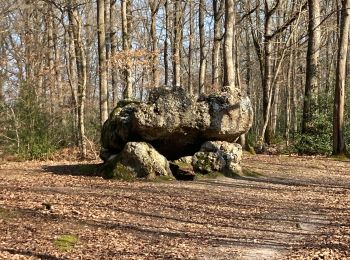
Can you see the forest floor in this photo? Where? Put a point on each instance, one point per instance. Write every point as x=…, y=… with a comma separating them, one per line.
x=289, y=208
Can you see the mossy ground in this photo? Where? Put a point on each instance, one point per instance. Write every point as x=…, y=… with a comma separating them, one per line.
x=66, y=242
x=118, y=171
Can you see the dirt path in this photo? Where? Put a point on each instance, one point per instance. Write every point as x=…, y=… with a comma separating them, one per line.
x=293, y=208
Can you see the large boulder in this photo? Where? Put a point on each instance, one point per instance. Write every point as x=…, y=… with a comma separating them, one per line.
x=176, y=124
x=137, y=160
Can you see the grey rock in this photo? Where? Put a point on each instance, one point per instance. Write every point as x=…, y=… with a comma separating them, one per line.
x=137, y=160
x=176, y=124
x=218, y=156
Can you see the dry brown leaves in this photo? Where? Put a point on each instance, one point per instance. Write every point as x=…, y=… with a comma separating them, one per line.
x=297, y=209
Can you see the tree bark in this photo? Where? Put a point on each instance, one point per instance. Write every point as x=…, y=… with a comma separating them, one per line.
x=312, y=66
x=154, y=7
x=339, y=101
x=113, y=39
x=126, y=47
x=166, y=44
x=202, y=60
x=102, y=61
x=218, y=13
x=177, y=43
x=266, y=81
x=190, y=48
x=229, y=68
x=81, y=76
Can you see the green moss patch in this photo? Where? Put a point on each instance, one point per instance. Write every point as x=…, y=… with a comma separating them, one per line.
x=113, y=169
x=66, y=242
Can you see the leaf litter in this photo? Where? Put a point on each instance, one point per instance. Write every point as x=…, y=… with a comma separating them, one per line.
x=290, y=208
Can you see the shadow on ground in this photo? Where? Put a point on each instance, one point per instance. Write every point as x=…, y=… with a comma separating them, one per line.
x=75, y=169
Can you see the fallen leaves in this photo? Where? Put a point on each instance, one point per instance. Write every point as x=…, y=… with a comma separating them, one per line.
x=294, y=209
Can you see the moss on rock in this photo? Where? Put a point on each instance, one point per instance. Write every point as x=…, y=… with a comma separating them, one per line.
x=113, y=169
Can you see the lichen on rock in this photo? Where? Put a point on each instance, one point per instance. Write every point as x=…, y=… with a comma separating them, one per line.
x=218, y=156
x=175, y=123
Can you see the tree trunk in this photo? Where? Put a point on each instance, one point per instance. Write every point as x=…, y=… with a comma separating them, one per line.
x=229, y=68
x=190, y=49
x=218, y=13
x=266, y=81
x=102, y=61
x=177, y=43
x=339, y=101
x=51, y=60
x=126, y=47
x=154, y=6
x=72, y=73
x=202, y=60
x=81, y=75
x=312, y=66
x=113, y=39
x=165, y=54
x=289, y=86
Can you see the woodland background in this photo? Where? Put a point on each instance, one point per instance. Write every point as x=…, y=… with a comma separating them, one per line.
x=65, y=64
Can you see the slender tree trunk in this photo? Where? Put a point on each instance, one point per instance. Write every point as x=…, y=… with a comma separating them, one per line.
x=154, y=6
x=218, y=13
x=339, y=101
x=71, y=72
x=266, y=81
x=107, y=22
x=81, y=75
x=289, y=86
x=166, y=44
x=102, y=61
x=190, y=49
x=312, y=66
x=113, y=39
x=248, y=65
x=51, y=60
x=202, y=60
x=58, y=73
x=229, y=68
x=177, y=43
x=126, y=47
